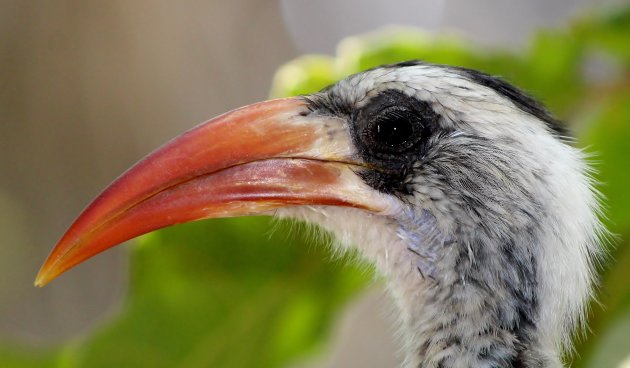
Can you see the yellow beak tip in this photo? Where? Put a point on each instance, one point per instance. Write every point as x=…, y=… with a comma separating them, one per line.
x=41, y=280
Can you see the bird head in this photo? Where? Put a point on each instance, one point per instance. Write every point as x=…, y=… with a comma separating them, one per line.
x=465, y=193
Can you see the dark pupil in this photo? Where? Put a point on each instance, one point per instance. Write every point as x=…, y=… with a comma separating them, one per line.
x=393, y=132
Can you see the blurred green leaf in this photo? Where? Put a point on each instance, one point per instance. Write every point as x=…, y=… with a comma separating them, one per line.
x=608, y=136
x=608, y=32
x=304, y=75
x=20, y=357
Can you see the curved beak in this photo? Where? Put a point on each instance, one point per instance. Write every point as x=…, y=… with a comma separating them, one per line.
x=248, y=161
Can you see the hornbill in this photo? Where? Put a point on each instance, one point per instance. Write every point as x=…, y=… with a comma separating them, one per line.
x=465, y=192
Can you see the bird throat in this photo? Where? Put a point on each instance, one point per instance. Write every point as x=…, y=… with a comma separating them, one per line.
x=474, y=303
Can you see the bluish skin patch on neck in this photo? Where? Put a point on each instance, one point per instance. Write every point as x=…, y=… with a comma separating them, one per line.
x=425, y=241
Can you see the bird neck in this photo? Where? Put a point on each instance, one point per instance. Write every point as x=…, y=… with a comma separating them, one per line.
x=471, y=301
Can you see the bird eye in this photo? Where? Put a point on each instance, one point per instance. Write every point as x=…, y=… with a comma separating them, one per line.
x=393, y=132
x=393, y=125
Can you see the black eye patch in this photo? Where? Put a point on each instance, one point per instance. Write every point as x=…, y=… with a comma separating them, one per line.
x=391, y=133
x=392, y=126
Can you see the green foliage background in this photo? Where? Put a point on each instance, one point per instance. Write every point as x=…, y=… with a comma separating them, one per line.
x=234, y=293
